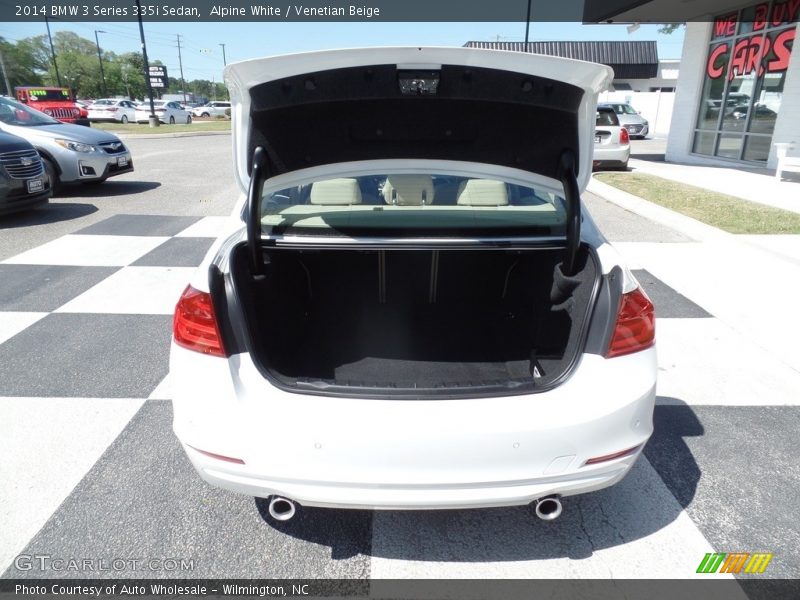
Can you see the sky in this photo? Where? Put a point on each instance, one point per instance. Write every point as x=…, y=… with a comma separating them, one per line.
x=203, y=59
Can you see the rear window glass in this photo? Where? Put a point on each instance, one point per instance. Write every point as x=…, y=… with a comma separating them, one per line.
x=606, y=117
x=413, y=204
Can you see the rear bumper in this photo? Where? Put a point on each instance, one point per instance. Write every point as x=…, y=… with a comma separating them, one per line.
x=407, y=454
x=608, y=157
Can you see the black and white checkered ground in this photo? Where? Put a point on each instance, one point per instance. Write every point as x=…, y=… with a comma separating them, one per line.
x=89, y=467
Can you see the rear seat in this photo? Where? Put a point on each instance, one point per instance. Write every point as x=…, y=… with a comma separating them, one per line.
x=482, y=192
x=335, y=192
x=408, y=190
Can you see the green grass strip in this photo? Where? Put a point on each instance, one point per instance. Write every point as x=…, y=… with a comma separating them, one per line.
x=196, y=126
x=728, y=213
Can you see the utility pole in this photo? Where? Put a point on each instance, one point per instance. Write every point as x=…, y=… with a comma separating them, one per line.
x=224, y=60
x=153, y=120
x=5, y=75
x=180, y=63
x=52, y=50
x=100, y=58
x=527, y=25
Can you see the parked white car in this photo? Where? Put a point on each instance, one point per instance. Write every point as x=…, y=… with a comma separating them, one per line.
x=612, y=143
x=167, y=112
x=410, y=309
x=212, y=109
x=112, y=109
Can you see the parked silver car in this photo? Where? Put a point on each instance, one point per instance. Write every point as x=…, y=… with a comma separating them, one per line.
x=69, y=152
x=631, y=119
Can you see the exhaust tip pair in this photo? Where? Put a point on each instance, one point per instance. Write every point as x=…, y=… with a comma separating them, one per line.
x=548, y=508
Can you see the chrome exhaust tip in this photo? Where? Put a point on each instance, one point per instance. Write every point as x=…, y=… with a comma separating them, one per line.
x=548, y=508
x=281, y=509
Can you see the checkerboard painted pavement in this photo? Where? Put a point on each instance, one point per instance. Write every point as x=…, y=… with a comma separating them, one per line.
x=91, y=467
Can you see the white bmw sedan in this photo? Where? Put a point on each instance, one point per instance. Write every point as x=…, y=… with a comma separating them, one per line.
x=410, y=308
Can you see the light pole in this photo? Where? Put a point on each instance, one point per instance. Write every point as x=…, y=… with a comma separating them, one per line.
x=224, y=59
x=52, y=51
x=100, y=58
x=152, y=118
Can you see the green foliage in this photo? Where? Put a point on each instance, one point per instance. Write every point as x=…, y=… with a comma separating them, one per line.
x=29, y=62
x=669, y=28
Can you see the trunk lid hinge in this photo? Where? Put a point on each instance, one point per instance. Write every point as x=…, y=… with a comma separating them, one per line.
x=258, y=175
x=568, y=177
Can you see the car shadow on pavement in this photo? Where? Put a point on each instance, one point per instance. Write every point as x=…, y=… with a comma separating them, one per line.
x=345, y=532
x=52, y=212
x=651, y=497
x=107, y=188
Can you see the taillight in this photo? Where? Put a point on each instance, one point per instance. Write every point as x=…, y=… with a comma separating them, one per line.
x=636, y=324
x=195, y=323
x=112, y=109
x=624, y=138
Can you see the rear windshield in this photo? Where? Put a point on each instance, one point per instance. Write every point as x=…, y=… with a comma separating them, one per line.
x=606, y=117
x=624, y=109
x=413, y=205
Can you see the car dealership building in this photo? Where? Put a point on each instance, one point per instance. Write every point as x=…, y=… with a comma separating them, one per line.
x=738, y=90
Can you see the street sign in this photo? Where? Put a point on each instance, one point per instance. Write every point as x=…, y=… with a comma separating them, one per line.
x=158, y=76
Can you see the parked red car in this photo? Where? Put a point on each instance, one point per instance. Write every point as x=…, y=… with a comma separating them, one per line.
x=56, y=102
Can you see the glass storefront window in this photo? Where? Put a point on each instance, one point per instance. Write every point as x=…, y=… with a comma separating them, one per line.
x=746, y=65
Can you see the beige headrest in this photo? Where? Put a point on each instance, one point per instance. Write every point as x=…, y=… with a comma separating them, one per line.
x=337, y=192
x=482, y=192
x=408, y=190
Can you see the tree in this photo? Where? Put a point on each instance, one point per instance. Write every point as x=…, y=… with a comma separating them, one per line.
x=669, y=28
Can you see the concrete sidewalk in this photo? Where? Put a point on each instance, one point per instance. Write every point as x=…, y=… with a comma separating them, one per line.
x=750, y=283
x=756, y=185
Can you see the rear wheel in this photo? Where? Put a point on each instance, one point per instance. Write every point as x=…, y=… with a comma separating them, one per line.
x=124, y=119
x=172, y=120
x=205, y=114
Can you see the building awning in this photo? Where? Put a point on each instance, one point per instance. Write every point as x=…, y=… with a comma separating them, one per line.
x=630, y=60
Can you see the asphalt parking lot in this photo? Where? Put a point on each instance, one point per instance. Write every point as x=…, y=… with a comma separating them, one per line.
x=92, y=470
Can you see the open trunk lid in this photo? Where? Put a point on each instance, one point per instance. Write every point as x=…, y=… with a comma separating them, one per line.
x=508, y=109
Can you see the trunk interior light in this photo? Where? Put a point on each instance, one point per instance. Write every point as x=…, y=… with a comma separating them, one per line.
x=194, y=325
x=418, y=83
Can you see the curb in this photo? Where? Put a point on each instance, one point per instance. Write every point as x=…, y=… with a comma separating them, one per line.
x=688, y=226
x=151, y=136
x=664, y=216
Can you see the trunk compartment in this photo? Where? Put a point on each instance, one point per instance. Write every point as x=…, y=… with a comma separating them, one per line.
x=413, y=322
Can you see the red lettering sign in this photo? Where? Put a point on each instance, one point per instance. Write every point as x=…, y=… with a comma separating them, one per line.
x=782, y=49
x=785, y=12
x=725, y=26
x=713, y=69
x=748, y=55
x=760, y=20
